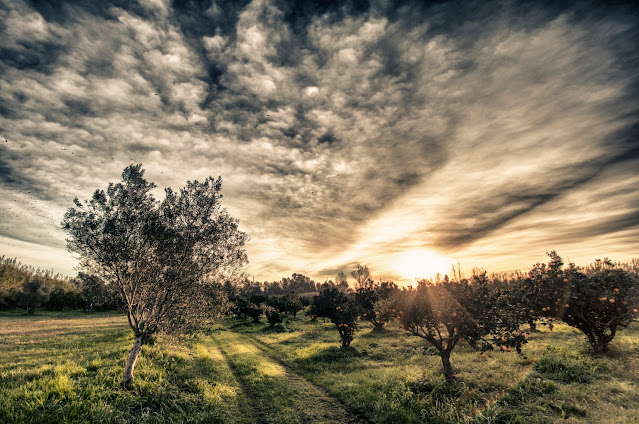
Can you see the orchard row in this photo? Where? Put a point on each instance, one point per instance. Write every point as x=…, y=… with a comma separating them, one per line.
x=487, y=311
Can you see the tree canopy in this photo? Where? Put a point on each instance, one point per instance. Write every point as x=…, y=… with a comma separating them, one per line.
x=165, y=257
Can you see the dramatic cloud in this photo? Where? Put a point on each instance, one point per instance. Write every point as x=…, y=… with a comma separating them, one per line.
x=486, y=133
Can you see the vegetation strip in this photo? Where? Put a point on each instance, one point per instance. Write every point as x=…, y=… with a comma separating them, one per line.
x=277, y=394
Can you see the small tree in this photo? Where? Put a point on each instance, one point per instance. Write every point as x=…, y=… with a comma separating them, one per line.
x=342, y=310
x=341, y=281
x=543, y=292
x=254, y=311
x=322, y=306
x=603, y=298
x=273, y=316
x=362, y=276
x=61, y=298
x=35, y=291
x=444, y=312
x=291, y=304
x=93, y=291
x=385, y=311
x=163, y=258
x=376, y=302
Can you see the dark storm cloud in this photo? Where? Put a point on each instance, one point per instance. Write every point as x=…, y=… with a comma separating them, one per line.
x=327, y=118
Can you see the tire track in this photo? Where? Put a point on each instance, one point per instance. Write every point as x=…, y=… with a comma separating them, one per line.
x=271, y=384
x=249, y=407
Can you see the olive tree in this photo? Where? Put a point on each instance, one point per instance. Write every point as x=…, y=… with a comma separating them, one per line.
x=164, y=258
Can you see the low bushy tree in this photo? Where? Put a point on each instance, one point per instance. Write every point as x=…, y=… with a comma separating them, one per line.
x=543, y=292
x=254, y=311
x=61, y=299
x=385, y=311
x=35, y=291
x=93, y=291
x=273, y=316
x=447, y=311
x=376, y=302
x=287, y=304
x=603, y=298
x=322, y=305
x=341, y=308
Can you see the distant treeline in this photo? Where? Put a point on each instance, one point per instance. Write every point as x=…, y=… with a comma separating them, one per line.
x=23, y=286
x=297, y=284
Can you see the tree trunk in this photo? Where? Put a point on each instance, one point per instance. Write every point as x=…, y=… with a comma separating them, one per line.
x=127, y=378
x=600, y=347
x=448, y=369
x=532, y=324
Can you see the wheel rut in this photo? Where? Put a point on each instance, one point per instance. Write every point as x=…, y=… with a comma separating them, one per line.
x=266, y=351
x=276, y=392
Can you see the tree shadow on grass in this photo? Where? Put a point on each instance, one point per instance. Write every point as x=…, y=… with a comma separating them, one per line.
x=242, y=324
x=334, y=354
x=278, y=328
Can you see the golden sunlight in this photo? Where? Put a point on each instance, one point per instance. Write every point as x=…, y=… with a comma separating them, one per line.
x=422, y=263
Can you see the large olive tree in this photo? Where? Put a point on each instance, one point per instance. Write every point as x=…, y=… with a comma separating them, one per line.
x=164, y=258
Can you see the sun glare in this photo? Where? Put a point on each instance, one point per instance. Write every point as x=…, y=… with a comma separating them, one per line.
x=422, y=263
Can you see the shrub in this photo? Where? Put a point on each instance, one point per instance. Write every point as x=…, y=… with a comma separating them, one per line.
x=603, y=298
x=444, y=312
x=342, y=310
x=273, y=316
x=254, y=311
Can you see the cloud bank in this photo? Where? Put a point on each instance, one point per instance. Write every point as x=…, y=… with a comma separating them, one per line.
x=488, y=132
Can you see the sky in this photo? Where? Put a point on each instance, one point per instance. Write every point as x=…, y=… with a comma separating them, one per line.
x=407, y=136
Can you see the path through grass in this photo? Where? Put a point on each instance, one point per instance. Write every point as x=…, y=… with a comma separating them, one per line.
x=277, y=394
x=391, y=377
x=61, y=367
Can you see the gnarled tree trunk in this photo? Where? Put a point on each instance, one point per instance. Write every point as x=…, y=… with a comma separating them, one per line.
x=448, y=369
x=127, y=378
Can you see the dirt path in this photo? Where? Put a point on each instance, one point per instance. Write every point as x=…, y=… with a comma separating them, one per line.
x=275, y=392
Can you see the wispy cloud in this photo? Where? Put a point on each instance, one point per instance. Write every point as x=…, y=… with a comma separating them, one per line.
x=343, y=135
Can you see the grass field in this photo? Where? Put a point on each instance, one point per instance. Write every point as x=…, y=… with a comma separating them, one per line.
x=66, y=367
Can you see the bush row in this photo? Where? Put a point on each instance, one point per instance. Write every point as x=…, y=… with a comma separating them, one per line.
x=487, y=311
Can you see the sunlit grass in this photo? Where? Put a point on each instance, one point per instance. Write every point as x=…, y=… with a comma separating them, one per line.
x=67, y=368
x=278, y=396
x=392, y=377
x=60, y=368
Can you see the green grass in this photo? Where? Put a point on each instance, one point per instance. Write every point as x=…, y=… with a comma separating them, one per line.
x=392, y=377
x=59, y=368
x=277, y=395
x=66, y=367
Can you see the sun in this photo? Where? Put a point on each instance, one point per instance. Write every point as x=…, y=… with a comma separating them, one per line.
x=422, y=263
